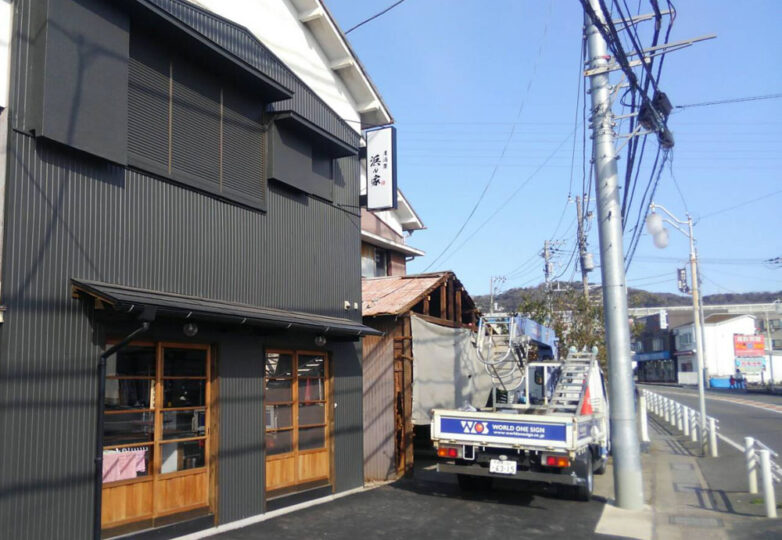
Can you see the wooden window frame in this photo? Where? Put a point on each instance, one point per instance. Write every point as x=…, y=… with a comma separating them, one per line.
x=295, y=403
x=158, y=410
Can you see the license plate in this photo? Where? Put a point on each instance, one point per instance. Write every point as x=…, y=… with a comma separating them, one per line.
x=502, y=467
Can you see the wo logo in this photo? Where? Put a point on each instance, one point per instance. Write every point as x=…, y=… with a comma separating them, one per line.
x=469, y=426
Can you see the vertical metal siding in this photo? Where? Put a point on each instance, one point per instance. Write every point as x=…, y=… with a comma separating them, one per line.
x=241, y=43
x=348, y=417
x=71, y=215
x=378, y=400
x=241, y=460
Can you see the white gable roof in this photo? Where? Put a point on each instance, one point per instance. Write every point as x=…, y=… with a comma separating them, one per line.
x=304, y=35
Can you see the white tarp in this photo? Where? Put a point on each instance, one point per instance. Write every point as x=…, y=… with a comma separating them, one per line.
x=446, y=370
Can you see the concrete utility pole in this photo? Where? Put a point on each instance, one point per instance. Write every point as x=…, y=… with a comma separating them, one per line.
x=547, y=275
x=699, y=336
x=628, y=482
x=582, y=248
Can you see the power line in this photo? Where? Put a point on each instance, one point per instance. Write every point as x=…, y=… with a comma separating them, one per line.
x=375, y=16
x=727, y=101
x=504, y=149
x=739, y=205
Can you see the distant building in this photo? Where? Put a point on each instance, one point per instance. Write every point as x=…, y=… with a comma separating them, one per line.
x=719, y=331
x=678, y=316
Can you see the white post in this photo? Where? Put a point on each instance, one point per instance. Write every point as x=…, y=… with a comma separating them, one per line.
x=644, y=421
x=686, y=421
x=679, y=414
x=713, y=437
x=752, y=470
x=769, y=497
x=694, y=429
x=672, y=408
x=667, y=408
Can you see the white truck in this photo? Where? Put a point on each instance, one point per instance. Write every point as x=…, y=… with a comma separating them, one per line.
x=546, y=420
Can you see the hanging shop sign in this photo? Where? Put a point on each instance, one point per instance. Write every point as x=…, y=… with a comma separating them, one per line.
x=381, y=168
x=748, y=345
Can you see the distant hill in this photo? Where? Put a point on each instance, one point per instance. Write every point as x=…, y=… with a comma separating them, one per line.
x=509, y=300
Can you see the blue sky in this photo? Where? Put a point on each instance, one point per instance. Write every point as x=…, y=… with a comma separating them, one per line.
x=466, y=78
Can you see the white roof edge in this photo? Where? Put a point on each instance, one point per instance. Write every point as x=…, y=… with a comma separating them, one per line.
x=382, y=109
x=418, y=224
x=390, y=244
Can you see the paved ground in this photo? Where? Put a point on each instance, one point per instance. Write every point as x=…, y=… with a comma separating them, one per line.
x=423, y=508
x=687, y=497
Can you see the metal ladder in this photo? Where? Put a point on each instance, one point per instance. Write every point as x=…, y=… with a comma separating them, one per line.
x=572, y=382
x=501, y=351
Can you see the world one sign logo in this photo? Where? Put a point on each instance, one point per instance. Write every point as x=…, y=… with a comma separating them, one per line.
x=469, y=426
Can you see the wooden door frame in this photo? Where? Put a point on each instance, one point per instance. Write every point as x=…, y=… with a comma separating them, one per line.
x=328, y=415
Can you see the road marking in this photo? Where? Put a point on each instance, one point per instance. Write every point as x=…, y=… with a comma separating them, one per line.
x=747, y=403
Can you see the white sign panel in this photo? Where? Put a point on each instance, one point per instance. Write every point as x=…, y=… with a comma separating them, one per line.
x=381, y=168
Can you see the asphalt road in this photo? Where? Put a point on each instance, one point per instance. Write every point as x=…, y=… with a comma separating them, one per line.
x=415, y=508
x=736, y=420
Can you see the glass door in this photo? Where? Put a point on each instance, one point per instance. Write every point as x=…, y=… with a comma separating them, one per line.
x=297, y=417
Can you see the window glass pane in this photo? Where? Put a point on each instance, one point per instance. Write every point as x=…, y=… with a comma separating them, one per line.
x=132, y=361
x=311, y=390
x=184, y=363
x=279, y=390
x=183, y=424
x=311, y=438
x=278, y=416
x=279, y=442
x=312, y=414
x=184, y=393
x=311, y=366
x=127, y=463
x=129, y=394
x=279, y=365
x=128, y=428
x=181, y=456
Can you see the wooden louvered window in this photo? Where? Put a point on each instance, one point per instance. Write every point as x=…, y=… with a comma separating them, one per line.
x=186, y=124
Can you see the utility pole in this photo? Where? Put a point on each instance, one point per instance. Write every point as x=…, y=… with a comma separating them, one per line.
x=547, y=275
x=699, y=337
x=582, y=248
x=492, y=279
x=628, y=482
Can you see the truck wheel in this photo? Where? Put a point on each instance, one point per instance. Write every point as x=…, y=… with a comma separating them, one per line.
x=601, y=469
x=473, y=483
x=583, y=492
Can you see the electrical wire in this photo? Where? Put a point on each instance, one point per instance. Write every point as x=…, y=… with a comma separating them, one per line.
x=504, y=149
x=373, y=17
x=728, y=101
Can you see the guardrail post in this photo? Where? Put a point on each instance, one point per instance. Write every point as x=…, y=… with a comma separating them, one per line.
x=644, y=423
x=667, y=409
x=694, y=429
x=679, y=414
x=686, y=421
x=769, y=496
x=752, y=471
x=713, y=437
x=672, y=407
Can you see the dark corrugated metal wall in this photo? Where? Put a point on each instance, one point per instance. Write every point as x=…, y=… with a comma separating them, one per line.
x=349, y=441
x=69, y=215
x=240, y=465
x=244, y=45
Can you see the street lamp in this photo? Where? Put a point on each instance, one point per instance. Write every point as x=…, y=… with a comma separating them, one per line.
x=655, y=227
x=777, y=310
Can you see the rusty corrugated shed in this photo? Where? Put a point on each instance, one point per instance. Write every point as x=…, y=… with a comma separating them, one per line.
x=393, y=295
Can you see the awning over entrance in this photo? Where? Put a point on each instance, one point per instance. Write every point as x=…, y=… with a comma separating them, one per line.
x=130, y=299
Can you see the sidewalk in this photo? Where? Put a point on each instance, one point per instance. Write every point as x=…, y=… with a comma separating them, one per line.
x=689, y=495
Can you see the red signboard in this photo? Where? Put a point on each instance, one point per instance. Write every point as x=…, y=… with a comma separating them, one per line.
x=748, y=345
